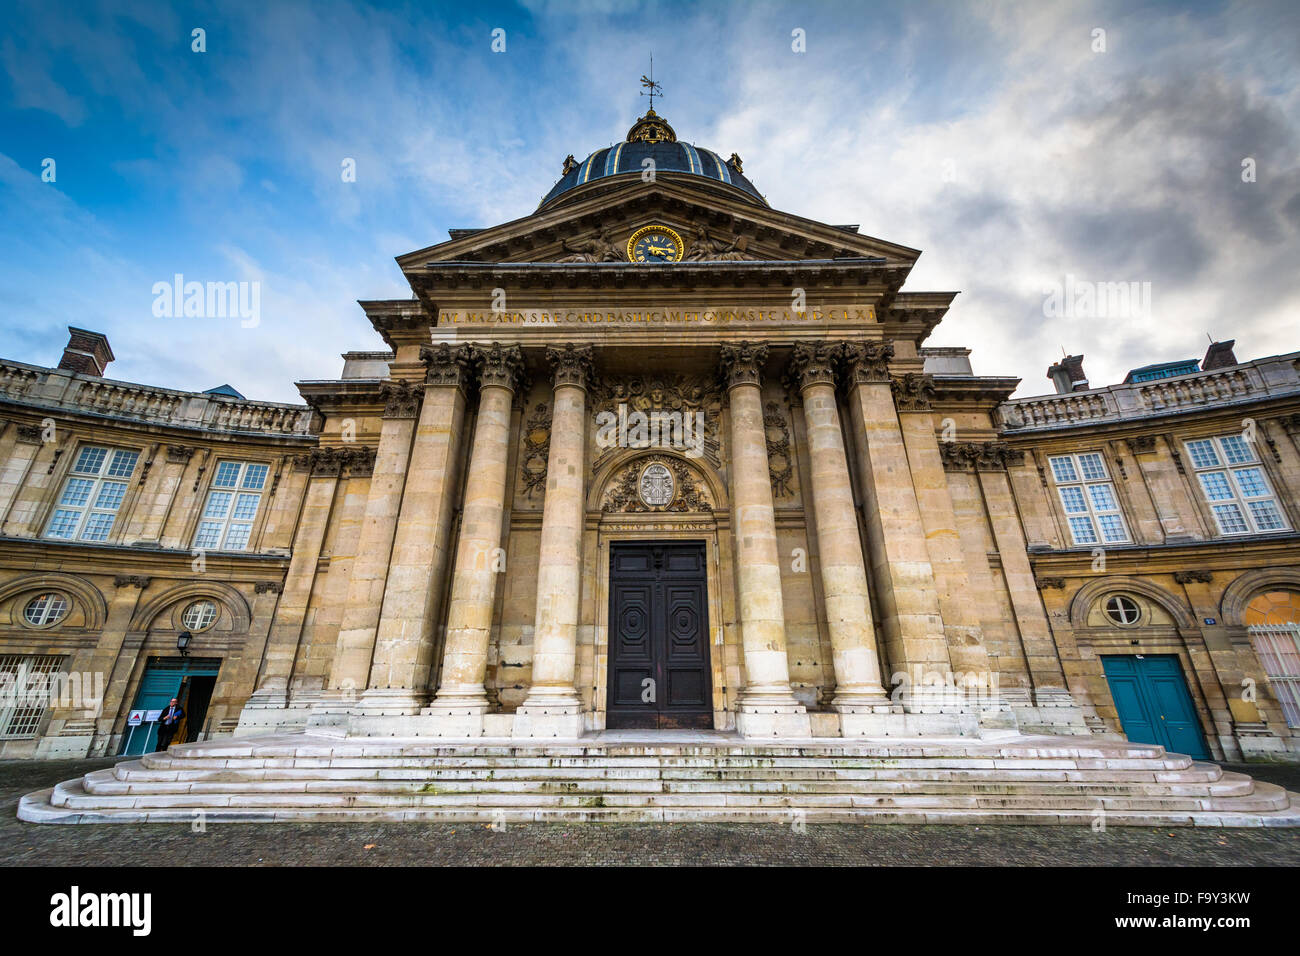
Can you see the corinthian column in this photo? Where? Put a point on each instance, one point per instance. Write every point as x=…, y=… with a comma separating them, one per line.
x=844, y=572
x=478, y=557
x=767, y=707
x=552, y=707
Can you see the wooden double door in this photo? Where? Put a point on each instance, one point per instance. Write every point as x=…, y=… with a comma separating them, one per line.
x=659, y=674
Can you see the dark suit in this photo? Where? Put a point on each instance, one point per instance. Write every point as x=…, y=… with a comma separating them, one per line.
x=167, y=724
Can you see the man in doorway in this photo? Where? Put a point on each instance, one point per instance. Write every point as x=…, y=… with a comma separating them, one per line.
x=167, y=724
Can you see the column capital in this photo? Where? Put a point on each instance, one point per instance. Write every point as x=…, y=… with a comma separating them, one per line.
x=572, y=364
x=742, y=364
x=979, y=455
x=401, y=398
x=813, y=363
x=446, y=364
x=868, y=362
x=498, y=365
x=913, y=392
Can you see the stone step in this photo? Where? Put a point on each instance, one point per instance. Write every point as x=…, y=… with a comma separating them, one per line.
x=73, y=797
x=111, y=782
x=134, y=770
x=179, y=762
x=104, y=782
x=288, y=744
x=36, y=808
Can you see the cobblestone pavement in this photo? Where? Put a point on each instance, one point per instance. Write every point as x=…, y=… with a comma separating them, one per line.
x=26, y=844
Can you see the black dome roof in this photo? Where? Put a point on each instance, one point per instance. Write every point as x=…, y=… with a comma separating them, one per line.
x=653, y=139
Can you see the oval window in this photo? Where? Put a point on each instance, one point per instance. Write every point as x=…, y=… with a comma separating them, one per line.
x=45, y=609
x=199, y=616
x=1123, y=610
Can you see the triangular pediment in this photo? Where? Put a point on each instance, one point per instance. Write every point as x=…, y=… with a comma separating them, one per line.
x=712, y=226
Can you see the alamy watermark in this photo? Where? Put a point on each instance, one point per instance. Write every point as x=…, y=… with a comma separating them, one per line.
x=208, y=300
x=1076, y=298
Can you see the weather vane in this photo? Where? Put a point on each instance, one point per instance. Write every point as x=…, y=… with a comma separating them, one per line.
x=651, y=86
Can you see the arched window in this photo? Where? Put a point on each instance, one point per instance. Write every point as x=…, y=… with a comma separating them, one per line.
x=1273, y=621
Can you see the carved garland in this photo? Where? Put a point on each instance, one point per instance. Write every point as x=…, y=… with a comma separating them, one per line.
x=536, y=449
x=780, y=464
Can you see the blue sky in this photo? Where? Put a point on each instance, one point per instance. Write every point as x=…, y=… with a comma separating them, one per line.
x=991, y=136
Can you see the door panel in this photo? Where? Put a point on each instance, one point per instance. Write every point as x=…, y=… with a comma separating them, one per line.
x=1154, y=704
x=659, y=673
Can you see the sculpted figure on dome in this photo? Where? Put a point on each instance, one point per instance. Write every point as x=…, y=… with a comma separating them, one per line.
x=601, y=249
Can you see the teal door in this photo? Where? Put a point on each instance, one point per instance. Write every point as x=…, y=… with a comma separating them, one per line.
x=1154, y=704
x=162, y=680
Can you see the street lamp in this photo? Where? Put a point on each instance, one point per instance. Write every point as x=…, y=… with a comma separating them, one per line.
x=183, y=642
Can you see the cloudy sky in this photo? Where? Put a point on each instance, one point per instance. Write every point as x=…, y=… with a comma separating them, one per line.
x=997, y=138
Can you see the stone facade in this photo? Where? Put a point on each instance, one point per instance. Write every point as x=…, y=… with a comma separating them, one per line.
x=429, y=552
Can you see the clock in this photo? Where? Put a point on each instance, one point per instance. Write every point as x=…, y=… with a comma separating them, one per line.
x=655, y=244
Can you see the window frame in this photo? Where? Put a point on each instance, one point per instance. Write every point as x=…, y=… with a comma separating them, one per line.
x=228, y=521
x=28, y=707
x=1137, y=606
x=1238, y=500
x=47, y=621
x=97, y=480
x=1082, y=483
x=200, y=628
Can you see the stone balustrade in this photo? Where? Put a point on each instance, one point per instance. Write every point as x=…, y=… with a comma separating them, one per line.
x=1249, y=381
x=72, y=392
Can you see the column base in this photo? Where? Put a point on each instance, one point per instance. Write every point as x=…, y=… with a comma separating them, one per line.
x=391, y=702
x=331, y=711
x=773, y=717
x=862, y=703
x=555, y=715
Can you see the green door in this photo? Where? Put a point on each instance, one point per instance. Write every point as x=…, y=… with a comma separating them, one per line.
x=1153, y=702
x=163, y=677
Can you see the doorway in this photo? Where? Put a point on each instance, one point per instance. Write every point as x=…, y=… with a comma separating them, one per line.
x=1154, y=704
x=659, y=673
x=190, y=681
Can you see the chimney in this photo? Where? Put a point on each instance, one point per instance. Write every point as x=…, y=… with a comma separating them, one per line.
x=1067, y=375
x=86, y=352
x=1219, y=355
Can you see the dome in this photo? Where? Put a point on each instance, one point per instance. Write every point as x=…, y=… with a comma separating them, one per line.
x=652, y=138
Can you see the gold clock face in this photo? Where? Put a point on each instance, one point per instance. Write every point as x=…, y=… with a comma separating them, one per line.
x=655, y=244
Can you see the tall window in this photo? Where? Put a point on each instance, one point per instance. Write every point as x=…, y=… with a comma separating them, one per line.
x=1234, y=484
x=1088, y=496
x=232, y=505
x=26, y=685
x=92, y=494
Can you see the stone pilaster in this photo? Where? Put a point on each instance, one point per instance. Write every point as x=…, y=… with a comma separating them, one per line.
x=462, y=695
x=110, y=658
x=400, y=672
x=767, y=706
x=961, y=622
x=839, y=545
x=552, y=707
x=350, y=671
x=901, y=570
x=272, y=693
